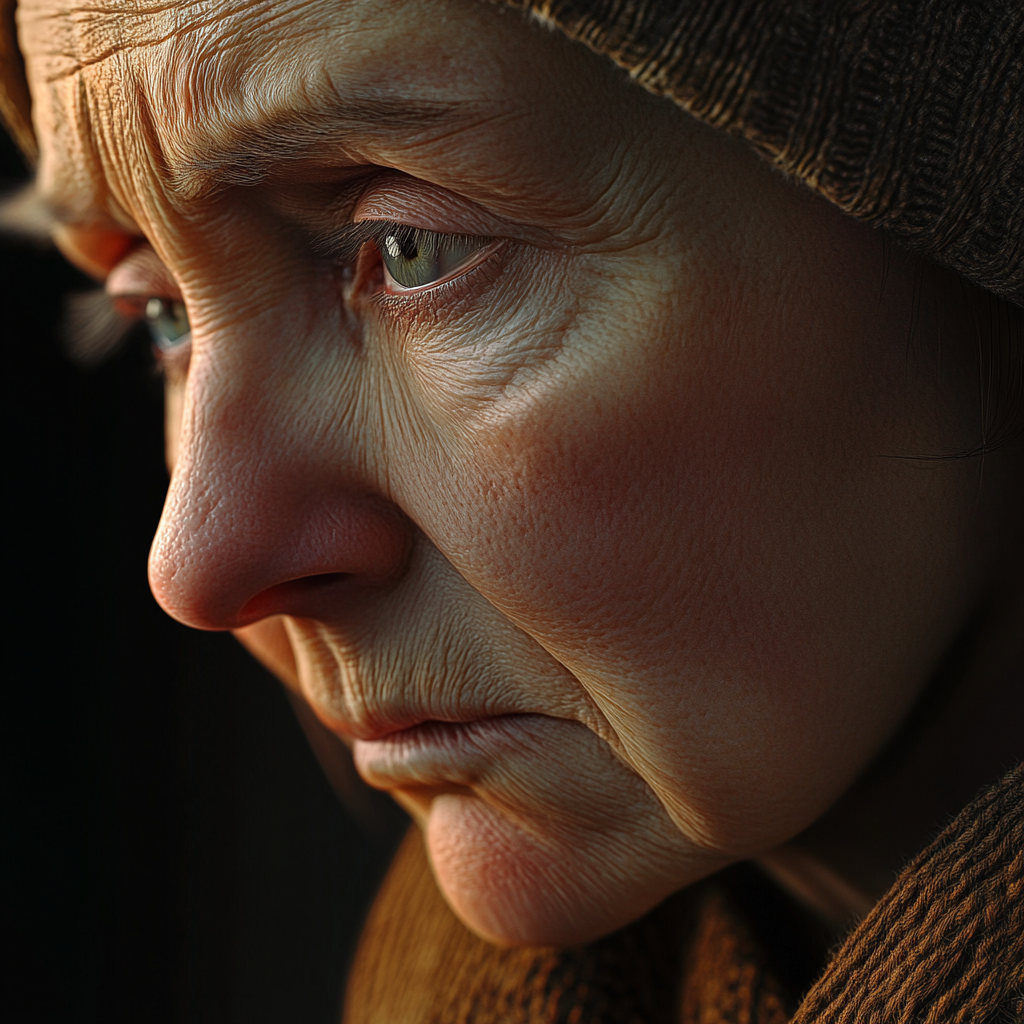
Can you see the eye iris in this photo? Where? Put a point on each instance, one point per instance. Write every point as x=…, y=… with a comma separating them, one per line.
x=415, y=258
x=402, y=246
x=168, y=322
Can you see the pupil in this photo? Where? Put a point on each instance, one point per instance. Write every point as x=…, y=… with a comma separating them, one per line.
x=402, y=244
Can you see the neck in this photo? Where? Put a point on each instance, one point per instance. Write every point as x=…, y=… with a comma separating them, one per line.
x=963, y=734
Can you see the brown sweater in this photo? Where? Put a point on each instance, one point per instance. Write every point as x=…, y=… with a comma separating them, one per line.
x=944, y=946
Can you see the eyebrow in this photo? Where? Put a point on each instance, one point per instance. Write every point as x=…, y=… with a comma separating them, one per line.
x=252, y=151
x=248, y=154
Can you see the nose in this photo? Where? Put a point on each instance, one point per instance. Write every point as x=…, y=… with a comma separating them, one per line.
x=268, y=512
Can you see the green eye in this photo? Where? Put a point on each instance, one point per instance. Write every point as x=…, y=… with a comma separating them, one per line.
x=168, y=323
x=415, y=258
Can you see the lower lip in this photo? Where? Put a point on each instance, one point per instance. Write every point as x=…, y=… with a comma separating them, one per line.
x=441, y=753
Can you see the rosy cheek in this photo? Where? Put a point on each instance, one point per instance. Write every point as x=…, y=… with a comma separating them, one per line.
x=568, y=513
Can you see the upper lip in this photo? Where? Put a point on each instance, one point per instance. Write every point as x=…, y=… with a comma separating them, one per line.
x=381, y=725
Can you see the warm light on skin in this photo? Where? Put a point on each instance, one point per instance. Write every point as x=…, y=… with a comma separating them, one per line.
x=633, y=473
x=93, y=250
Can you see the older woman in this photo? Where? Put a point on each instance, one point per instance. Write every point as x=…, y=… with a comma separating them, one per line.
x=627, y=507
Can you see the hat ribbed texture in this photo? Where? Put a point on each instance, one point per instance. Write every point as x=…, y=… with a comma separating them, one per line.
x=907, y=114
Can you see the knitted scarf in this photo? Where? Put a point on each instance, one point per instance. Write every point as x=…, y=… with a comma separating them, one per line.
x=944, y=946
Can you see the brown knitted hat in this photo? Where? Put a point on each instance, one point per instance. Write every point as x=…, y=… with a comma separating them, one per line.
x=907, y=114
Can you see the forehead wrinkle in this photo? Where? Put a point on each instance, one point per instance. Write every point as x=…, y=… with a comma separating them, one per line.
x=130, y=160
x=79, y=36
x=83, y=71
x=72, y=180
x=213, y=109
x=194, y=93
x=228, y=112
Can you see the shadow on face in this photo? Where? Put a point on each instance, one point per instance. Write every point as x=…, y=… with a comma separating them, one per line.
x=567, y=454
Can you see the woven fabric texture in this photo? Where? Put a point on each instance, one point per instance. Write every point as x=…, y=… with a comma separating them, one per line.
x=944, y=946
x=692, y=961
x=417, y=964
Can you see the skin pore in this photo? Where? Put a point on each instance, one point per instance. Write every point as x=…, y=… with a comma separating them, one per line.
x=631, y=492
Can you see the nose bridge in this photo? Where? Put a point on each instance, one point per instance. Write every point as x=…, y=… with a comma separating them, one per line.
x=265, y=492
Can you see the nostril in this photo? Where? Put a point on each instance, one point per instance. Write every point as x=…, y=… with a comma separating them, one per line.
x=303, y=597
x=323, y=579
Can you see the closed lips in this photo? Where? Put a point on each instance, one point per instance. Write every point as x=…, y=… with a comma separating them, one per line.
x=450, y=753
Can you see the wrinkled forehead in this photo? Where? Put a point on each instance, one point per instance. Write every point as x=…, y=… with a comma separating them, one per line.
x=163, y=83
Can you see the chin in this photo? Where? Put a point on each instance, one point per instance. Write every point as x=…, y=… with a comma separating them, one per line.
x=513, y=888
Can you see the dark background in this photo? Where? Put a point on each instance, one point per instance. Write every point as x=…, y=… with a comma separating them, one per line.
x=172, y=851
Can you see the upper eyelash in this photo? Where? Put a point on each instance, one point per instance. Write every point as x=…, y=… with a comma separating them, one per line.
x=343, y=244
x=92, y=328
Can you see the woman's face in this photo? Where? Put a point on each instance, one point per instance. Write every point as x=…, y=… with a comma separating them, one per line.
x=594, y=532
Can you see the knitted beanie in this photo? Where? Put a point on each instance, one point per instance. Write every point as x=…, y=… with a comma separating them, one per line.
x=906, y=114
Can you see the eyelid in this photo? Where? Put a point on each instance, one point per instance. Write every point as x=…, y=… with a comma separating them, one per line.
x=142, y=273
x=344, y=243
x=132, y=286
x=483, y=253
x=414, y=203
x=418, y=204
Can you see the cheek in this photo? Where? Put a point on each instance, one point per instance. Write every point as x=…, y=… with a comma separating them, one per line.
x=692, y=517
x=637, y=480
